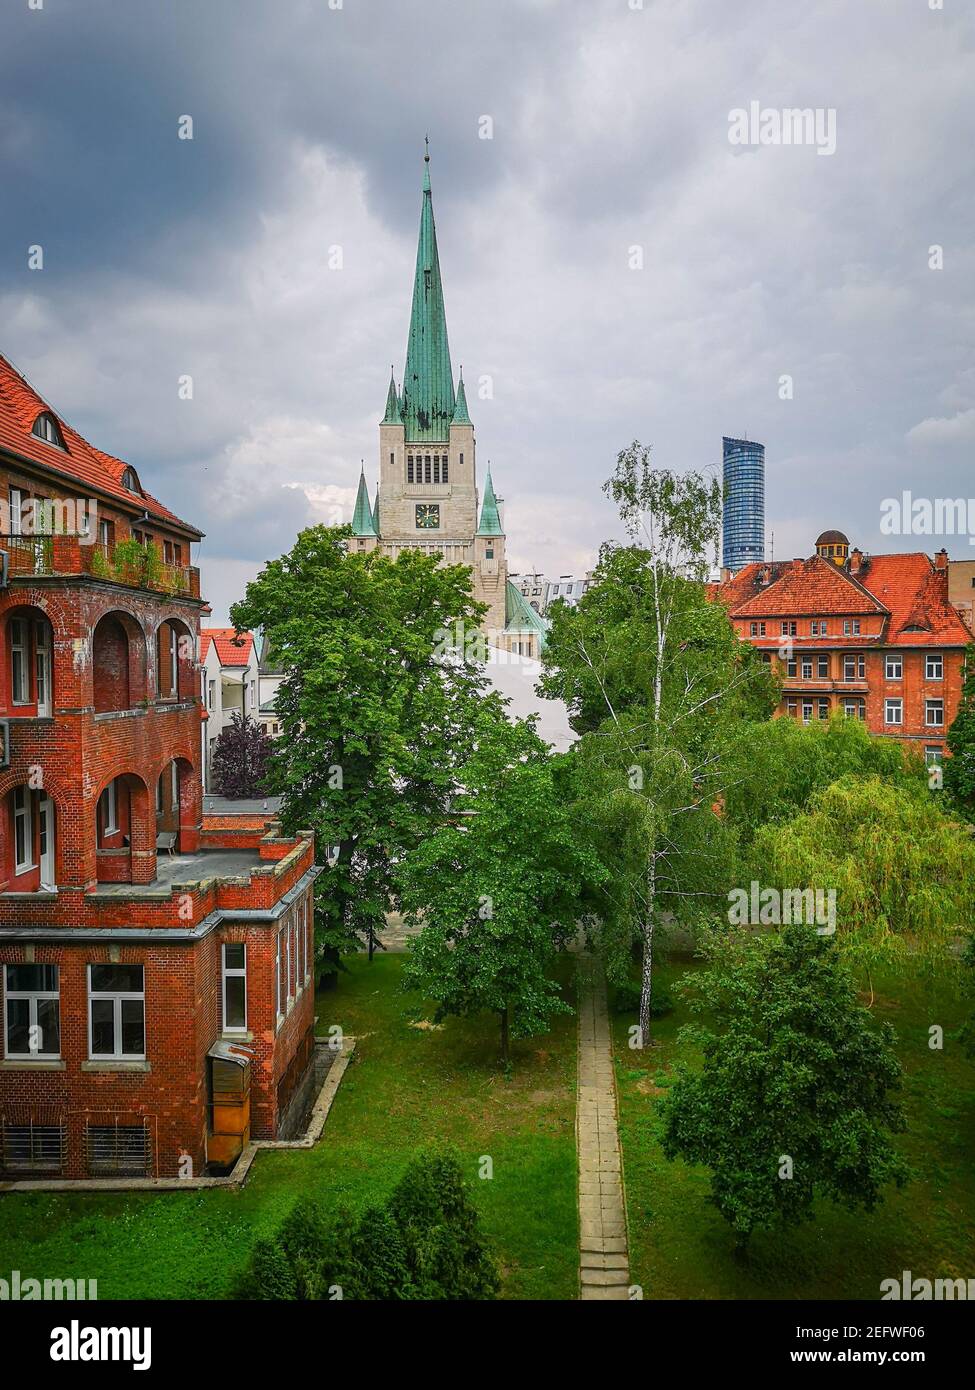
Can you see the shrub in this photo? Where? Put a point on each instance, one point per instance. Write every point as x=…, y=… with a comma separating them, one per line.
x=423, y=1243
x=269, y=1274
x=627, y=999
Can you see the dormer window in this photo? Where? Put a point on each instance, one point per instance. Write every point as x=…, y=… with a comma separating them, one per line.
x=48, y=429
x=130, y=482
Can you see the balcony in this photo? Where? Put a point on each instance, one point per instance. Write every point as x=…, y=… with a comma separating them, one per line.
x=136, y=566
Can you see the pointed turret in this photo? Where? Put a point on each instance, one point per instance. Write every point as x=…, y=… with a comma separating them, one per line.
x=393, y=414
x=490, y=519
x=461, y=416
x=375, y=513
x=428, y=383
x=362, y=520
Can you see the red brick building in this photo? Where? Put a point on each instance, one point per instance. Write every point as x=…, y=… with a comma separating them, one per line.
x=155, y=970
x=872, y=636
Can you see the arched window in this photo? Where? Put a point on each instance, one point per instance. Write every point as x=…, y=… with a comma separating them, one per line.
x=48, y=429
x=130, y=482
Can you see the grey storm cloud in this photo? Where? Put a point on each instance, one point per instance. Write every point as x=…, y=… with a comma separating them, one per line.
x=213, y=257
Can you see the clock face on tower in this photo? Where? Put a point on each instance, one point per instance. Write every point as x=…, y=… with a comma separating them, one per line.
x=427, y=516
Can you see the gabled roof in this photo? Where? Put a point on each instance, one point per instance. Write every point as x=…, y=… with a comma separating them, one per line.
x=233, y=648
x=907, y=590
x=428, y=382
x=80, y=463
x=800, y=587
x=917, y=595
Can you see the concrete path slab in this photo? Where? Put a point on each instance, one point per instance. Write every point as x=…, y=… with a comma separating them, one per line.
x=604, y=1266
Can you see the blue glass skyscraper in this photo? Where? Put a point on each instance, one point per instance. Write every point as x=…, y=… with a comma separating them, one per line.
x=743, y=513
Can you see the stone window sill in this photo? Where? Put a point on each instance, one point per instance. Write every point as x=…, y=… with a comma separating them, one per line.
x=115, y=1064
x=31, y=1064
x=43, y=895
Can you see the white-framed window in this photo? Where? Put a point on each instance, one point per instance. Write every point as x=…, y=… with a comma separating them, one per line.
x=807, y=668
x=42, y=663
x=23, y=830
x=934, y=667
x=934, y=713
x=822, y=666
x=807, y=711
x=824, y=708
x=789, y=629
x=211, y=687
x=16, y=511
x=19, y=661
x=32, y=1011
x=853, y=668
x=893, y=711
x=851, y=627
x=234, y=973
x=894, y=667
x=934, y=757
x=116, y=1012
x=108, y=809
x=309, y=936
x=282, y=974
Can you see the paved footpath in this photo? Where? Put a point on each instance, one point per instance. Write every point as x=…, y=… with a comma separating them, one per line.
x=604, y=1266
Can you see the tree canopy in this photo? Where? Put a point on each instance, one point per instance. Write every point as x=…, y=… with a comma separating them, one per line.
x=375, y=722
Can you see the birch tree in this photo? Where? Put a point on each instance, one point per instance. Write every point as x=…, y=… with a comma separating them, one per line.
x=656, y=680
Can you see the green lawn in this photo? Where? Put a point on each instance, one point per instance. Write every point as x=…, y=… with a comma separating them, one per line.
x=405, y=1087
x=681, y=1248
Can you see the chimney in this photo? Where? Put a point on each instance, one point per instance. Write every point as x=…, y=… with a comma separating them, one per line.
x=764, y=575
x=856, y=560
x=941, y=559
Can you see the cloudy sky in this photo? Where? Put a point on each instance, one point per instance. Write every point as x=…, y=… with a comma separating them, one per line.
x=609, y=125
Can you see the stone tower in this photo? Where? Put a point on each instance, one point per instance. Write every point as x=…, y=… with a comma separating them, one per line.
x=428, y=497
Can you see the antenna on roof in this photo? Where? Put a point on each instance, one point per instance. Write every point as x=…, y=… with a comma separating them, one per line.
x=771, y=558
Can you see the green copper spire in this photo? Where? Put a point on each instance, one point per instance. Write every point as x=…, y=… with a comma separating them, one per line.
x=362, y=522
x=490, y=520
x=393, y=414
x=461, y=416
x=375, y=513
x=428, y=382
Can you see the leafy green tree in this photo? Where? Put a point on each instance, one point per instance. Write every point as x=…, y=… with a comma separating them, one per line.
x=497, y=889
x=903, y=871
x=959, y=771
x=656, y=682
x=779, y=763
x=240, y=758
x=794, y=1099
x=374, y=719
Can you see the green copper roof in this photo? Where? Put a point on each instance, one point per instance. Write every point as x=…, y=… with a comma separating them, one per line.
x=375, y=513
x=520, y=616
x=394, y=415
x=428, y=383
x=362, y=522
x=461, y=416
x=490, y=520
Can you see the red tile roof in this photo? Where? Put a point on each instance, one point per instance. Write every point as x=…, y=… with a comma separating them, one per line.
x=20, y=406
x=233, y=648
x=907, y=590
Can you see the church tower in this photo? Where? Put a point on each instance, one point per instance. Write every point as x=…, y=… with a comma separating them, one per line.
x=427, y=497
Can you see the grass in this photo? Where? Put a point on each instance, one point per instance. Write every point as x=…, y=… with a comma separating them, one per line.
x=681, y=1248
x=405, y=1087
